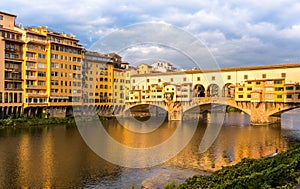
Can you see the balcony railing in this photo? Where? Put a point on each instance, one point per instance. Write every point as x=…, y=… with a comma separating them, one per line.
x=13, y=78
x=12, y=49
x=31, y=58
x=36, y=40
x=31, y=77
x=31, y=68
x=13, y=88
x=31, y=86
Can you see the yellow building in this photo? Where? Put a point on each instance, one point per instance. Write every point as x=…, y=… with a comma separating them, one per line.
x=35, y=68
x=97, y=79
x=266, y=90
x=64, y=70
x=292, y=93
x=119, y=90
x=11, y=58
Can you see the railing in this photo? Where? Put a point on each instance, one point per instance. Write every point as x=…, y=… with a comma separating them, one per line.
x=31, y=86
x=31, y=68
x=13, y=88
x=12, y=78
x=31, y=58
x=36, y=40
x=31, y=77
x=64, y=43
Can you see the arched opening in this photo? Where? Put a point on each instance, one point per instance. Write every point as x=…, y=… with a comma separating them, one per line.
x=199, y=91
x=213, y=90
x=228, y=90
x=143, y=112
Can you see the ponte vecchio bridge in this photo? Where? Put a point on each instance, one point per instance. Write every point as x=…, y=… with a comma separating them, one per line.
x=259, y=91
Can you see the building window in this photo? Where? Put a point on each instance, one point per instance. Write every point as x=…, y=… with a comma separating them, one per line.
x=279, y=96
x=198, y=78
x=283, y=75
x=289, y=96
x=241, y=96
x=20, y=98
x=213, y=78
x=159, y=80
x=289, y=88
x=245, y=76
x=148, y=80
x=0, y=97
x=278, y=82
x=5, y=97
x=171, y=79
x=249, y=96
x=184, y=79
x=278, y=88
x=41, y=65
x=229, y=77
x=1, y=17
x=42, y=74
x=264, y=76
x=1, y=26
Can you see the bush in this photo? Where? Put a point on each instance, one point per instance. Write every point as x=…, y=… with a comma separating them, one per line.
x=281, y=171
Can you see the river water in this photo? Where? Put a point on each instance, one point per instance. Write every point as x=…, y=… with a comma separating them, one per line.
x=56, y=156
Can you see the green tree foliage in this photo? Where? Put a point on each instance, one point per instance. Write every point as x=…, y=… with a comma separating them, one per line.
x=281, y=171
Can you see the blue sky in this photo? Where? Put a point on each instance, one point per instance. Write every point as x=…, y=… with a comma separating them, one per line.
x=237, y=33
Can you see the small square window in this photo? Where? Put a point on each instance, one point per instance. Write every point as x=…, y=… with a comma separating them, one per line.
x=229, y=77
x=245, y=76
x=213, y=78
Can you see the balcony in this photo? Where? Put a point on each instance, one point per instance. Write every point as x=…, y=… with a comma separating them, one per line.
x=36, y=94
x=40, y=41
x=12, y=49
x=13, y=88
x=31, y=58
x=9, y=77
x=31, y=86
x=13, y=57
x=30, y=77
x=33, y=68
x=64, y=43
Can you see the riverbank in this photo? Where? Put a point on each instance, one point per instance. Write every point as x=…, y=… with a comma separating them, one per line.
x=23, y=121
x=282, y=170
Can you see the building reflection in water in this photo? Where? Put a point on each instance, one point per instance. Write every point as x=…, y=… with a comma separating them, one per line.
x=57, y=156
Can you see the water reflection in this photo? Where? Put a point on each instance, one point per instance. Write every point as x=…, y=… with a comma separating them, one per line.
x=56, y=156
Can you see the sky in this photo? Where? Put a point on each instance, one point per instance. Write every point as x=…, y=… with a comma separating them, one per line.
x=236, y=33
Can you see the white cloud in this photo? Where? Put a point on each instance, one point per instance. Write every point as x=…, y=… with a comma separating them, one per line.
x=240, y=32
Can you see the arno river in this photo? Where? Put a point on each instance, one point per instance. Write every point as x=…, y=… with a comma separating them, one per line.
x=57, y=156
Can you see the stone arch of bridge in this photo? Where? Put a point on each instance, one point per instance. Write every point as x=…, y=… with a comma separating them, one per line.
x=284, y=109
x=144, y=107
x=206, y=106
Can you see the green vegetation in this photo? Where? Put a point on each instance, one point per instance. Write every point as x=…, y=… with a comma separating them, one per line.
x=281, y=171
x=232, y=109
x=23, y=121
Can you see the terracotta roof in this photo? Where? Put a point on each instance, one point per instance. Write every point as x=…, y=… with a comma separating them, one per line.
x=1, y=12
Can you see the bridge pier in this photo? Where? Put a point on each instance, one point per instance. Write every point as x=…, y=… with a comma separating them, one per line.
x=174, y=110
